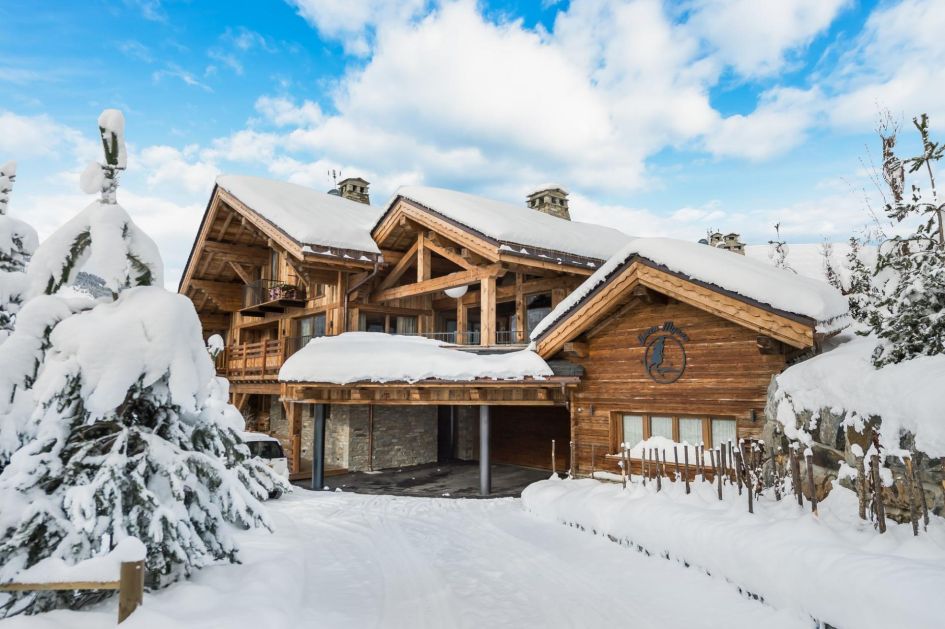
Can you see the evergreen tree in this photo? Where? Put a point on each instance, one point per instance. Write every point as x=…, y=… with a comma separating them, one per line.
x=778, y=250
x=17, y=243
x=124, y=429
x=101, y=241
x=909, y=313
x=830, y=273
x=860, y=293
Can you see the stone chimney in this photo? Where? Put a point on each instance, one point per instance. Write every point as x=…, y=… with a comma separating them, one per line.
x=550, y=199
x=730, y=242
x=355, y=189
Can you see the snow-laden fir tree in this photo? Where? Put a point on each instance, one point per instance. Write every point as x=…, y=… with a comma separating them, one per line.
x=102, y=241
x=17, y=242
x=860, y=292
x=830, y=272
x=778, y=250
x=127, y=431
x=908, y=316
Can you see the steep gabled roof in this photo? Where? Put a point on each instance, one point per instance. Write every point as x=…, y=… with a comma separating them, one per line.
x=517, y=229
x=703, y=275
x=309, y=217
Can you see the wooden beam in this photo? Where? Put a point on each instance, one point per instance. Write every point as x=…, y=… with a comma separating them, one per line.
x=399, y=268
x=521, y=312
x=424, y=259
x=214, y=322
x=487, y=311
x=241, y=272
x=576, y=349
x=244, y=254
x=461, y=312
x=226, y=295
x=450, y=254
x=460, y=278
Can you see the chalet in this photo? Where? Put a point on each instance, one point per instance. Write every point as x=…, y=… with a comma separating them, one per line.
x=367, y=338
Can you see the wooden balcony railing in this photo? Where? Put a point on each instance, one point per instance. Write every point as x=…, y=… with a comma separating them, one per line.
x=253, y=361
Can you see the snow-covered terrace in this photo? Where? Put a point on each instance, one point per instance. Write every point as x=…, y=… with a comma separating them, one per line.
x=372, y=357
x=751, y=280
x=517, y=229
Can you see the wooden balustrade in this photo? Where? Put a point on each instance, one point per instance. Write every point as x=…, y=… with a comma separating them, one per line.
x=254, y=361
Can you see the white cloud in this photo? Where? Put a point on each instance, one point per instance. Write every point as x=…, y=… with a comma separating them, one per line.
x=170, y=170
x=755, y=36
x=352, y=22
x=777, y=125
x=33, y=136
x=283, y=112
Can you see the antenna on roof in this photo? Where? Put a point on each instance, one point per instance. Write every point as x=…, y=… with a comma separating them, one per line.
x=333, y=175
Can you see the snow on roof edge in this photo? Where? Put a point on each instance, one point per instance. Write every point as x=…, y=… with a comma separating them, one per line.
x=835, y=322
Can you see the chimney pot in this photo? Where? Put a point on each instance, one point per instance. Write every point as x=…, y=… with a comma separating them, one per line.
x=550, y=199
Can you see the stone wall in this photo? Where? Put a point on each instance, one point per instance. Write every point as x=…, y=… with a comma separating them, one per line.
x=467, y=433
x=404, y=435
x=832, y=445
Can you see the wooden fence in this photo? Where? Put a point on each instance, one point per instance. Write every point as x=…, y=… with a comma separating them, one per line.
x=130, y=586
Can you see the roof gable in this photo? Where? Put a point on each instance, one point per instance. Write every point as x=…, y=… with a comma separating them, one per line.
x=308, y=217
x=514, y=229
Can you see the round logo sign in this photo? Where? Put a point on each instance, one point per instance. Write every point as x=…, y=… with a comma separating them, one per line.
x=665, y=355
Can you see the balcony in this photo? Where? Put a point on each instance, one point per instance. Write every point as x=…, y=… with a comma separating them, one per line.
x=265, y=296
x=253, y=361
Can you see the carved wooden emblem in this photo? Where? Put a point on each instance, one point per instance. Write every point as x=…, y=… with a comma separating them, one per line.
x=665, y=357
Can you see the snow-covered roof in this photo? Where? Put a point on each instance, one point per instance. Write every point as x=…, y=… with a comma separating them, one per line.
x=754, y=280
x=257, y=436
x=808, y=258
x=512, y=224
x=377, y=357
x=307, y=216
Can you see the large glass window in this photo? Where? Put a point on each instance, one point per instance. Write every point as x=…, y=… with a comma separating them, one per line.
x=723, y=431
x=405, y=325
x=661, y=426
x=371, y=322
x=690, y=430
x=310, y=327
x=632, y=429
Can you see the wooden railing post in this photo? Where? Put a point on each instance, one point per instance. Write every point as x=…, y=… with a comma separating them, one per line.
x=130, y=588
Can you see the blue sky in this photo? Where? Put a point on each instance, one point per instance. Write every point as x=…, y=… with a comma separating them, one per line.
x=660, y=117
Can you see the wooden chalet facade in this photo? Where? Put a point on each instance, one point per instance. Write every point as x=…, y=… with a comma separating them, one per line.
x=275, y=265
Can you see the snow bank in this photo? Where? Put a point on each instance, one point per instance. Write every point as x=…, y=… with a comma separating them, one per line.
x=97, y=569
x=749, y=278
x=307, y=216
x=517, y=224
x=377, y=357
x=908, y=396
x=835, y=568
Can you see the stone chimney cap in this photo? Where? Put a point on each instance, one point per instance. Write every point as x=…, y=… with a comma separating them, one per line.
x=353, y=179
x=546, y=187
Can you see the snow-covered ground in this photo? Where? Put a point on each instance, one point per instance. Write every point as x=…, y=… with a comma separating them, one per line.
x=833, y=567
x=346, y=560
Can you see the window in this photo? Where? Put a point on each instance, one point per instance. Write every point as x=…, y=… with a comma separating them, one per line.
x=661, y=426
x=265, y=449
x=310, y=327
x=690, y=430
x=273, y=265
x=372, y=322
x=405, y=325
x=632, y=429
x=723, y=431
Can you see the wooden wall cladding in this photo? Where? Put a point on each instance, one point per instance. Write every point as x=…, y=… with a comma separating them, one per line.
x=726, y=375
x=521, y=435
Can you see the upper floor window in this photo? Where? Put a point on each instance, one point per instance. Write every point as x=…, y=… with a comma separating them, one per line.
x=273, y=265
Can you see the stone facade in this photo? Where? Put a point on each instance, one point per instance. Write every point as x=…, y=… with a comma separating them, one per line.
x=403, y=435
x=832, y=446
x=467, y=433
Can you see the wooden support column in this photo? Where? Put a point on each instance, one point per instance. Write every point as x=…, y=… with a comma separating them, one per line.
x=558, y=295
x=460, y=322
x=294, y=412
x=487, y=311
x=521, y=312
x=485, y=464
x=424, y=259
x=318, y=446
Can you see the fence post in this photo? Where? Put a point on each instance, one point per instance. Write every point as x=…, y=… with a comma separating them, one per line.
x=130, y=588
x=572, y=472
x=554, y=463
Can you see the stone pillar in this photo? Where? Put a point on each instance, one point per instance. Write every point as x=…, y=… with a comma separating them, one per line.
x=485, y=465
